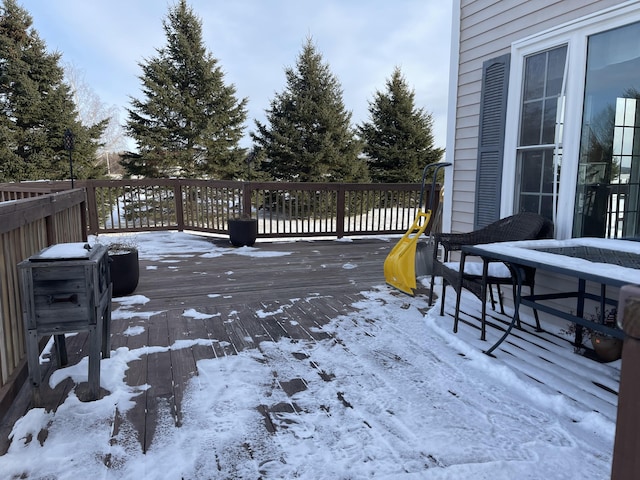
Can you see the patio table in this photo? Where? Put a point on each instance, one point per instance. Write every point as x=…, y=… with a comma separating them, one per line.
x=606, y=262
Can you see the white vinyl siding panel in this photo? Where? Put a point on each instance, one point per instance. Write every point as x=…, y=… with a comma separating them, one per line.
x=487, y=30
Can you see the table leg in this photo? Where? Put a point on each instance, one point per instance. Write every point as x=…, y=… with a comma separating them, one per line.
x=516, y=310
x=603, y=294
x=33, y=364
x=577, y=342
x=61, y=350
x=463, y=257
x=95, y=342
x=106, y=329
x=483, y=325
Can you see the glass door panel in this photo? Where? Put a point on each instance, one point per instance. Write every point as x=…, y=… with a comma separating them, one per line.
x=607, y=191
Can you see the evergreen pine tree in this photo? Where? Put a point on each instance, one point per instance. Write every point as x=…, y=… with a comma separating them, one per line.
x=398, y=139
x=190, y=122
x=308, y=137
x=37, y=108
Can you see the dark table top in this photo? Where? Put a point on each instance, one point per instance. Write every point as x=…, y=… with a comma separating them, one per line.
x=607, y=261
x=596, y=254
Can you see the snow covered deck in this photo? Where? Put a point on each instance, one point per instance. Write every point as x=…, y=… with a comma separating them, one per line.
x=294, y=359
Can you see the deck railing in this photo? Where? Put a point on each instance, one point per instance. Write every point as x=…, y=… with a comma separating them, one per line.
x=282, y=209
x=27, y=225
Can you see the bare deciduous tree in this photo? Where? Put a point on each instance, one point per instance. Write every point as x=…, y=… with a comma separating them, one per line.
x=91, y=110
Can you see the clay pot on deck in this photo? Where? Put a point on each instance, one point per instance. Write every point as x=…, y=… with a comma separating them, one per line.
x=125, y=272
x=607, y=348
x=243, y=231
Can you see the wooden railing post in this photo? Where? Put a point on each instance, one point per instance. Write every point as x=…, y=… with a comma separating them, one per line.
x=246, y=198
x=83, y=218
x=92, y=207
x=50, y=221
x=626, y=450
x=340, y=211
x=177, y=189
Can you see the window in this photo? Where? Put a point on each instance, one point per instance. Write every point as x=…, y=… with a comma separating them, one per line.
x=539, y=152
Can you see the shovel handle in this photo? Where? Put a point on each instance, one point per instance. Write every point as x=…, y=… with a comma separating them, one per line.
x=436, y=167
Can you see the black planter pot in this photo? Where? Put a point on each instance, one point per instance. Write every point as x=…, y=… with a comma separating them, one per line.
x=243, y=231
x=125, y=272
x=608, y=349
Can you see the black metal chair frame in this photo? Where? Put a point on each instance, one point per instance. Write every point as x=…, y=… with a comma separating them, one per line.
x=521, y=226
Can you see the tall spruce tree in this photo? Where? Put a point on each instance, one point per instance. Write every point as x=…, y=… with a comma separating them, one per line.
x=190, y=122
x=398, y=139
x=37, y=108
x=309, y=137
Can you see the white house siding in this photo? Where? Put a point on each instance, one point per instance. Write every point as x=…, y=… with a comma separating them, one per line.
x=487, y=29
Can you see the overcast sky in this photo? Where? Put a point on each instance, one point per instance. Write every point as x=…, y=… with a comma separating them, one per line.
x=255, y=40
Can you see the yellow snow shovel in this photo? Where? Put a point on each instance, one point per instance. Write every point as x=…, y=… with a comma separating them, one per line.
x=400, y=264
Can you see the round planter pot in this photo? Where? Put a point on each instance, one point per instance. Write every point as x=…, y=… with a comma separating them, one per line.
x=243, y=231
x=125, y=272
x=607, y=348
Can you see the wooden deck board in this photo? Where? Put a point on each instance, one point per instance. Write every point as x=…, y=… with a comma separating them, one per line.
x=183, y=364
x=197, y=329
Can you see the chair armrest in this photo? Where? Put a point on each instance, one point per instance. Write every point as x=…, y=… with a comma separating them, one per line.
x=455, y=241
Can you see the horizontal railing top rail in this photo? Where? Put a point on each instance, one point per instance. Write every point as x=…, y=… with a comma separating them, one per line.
x=19, y=191
x=233, y=183
x=26, y=210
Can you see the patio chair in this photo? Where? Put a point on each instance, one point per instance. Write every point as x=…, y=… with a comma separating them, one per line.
x=522, y=226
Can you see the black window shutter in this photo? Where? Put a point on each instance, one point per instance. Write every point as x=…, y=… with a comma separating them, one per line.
x=493, y=110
